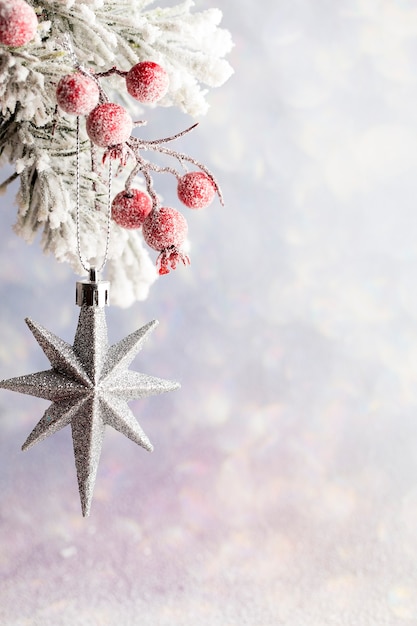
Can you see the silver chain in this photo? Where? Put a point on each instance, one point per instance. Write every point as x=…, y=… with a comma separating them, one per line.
x=83, y=262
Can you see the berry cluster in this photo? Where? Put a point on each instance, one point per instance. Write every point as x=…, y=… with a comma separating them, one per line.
x=109, y=126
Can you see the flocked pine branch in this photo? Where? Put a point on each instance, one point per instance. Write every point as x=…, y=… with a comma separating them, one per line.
x=40, y=142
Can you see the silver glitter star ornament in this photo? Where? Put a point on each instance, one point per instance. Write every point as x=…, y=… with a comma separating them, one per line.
x=89, y=385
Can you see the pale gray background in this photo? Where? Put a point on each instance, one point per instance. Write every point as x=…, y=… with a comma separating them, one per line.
x=283, y=486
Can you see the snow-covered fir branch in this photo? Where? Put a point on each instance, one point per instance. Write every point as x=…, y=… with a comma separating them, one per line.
x=40, y=142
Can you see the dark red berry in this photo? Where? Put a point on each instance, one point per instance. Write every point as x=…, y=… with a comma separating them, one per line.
x=130, y=208
x=147, y=82
x=18, y=23
x=109, y=124
x=77, y=94
x=164, y=228
x=196, y=190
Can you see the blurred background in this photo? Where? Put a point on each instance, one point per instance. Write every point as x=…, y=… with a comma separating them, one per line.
x=283, y=486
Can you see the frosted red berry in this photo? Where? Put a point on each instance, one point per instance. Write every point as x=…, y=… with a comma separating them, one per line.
x=77, y=94
x=165, y=230
x=196, y=190
x=130, y=208
x=147, y=82
x=109, y=124
x=164, y=227
x=18, y=23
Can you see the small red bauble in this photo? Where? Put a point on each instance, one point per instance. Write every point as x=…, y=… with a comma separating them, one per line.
x=18, y=23
x=196, y=190
x=147, y=82
x=130, y=208
x=77, y=94
x=165, y=230
x=109, y=124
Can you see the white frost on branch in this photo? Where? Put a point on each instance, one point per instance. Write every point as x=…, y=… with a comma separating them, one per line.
x=41, y=144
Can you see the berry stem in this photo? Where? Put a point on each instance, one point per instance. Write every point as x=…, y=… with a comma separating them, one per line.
x=135, y=144
x=112, y=70
x=143, y=143
x=150, y=190
x=184, y=157
x=143, y=167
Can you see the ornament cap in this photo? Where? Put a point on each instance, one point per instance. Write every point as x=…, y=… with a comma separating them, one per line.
x=92, y=292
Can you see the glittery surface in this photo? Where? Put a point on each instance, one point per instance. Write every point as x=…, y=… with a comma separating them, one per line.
x=89, y=385
x=282, y=489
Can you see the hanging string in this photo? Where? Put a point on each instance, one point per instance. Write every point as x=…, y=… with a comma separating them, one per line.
x=91, y=270
x=87, y=267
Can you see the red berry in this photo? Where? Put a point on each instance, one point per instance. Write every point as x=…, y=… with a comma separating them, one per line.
x=77, y=94
x=164, y=228
x=147, y=82
x=109, y=124
x=130, y=208
x=18, y=23
x=196, y=190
